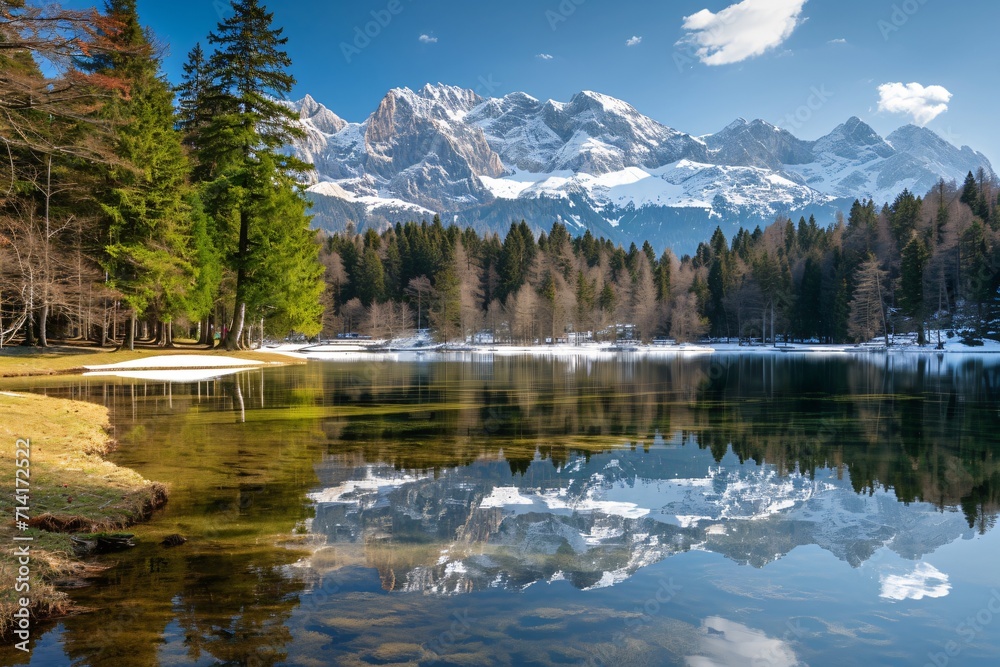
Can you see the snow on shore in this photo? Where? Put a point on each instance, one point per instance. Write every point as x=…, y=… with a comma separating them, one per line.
x=625, y=349
x=171, y=361
x=174, y=375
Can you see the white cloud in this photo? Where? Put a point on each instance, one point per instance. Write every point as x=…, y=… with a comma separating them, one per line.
x=724, y=642
x=544, y=56
x=839, y=40
x=634, y=40
x=924, y=104
x=925, y=581
x=741, y=31
x=427, y=39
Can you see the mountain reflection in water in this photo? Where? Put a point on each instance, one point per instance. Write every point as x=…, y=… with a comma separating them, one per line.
x=596, y=522
x=466, y=509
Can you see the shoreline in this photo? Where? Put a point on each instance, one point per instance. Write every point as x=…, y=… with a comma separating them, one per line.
x=182, y=363
x=627, y=349
x=73, y=490
x=71, y=360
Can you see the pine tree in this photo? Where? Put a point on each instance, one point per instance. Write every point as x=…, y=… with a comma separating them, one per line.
x=370, y=278
x=970, y=191
x=662, y=277
x=979, y=275
x=194, y=98
x=147, y=252
x=903, y=216
x=808, y=305
x=911, y=288
x=586, y=297
x=719, y=283
x=201, y=297
x=241, y=151
x=284, y=277
x=515, y=260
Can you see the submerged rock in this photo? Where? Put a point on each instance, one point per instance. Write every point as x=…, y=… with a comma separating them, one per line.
x=174, y=540
x=101, y=544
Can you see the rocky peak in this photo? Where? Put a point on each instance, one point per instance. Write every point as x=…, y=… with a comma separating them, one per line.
x=854, y=140
x=757, y=144
x=322, y=118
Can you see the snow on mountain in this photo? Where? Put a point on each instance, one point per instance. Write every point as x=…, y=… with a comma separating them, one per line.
x=595, y=522
x=593, y=133
x=757, y=144
x=319, y=116
x=596, y=163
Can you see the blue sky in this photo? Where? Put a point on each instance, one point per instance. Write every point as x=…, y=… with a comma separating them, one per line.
x=694, y=65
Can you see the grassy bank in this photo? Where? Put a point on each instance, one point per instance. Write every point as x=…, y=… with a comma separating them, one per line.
x=72, y=489
x=20, y=362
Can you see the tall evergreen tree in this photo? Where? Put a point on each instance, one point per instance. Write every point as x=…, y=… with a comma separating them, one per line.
x=911, y=288
x=808, y=305
x=370, y=277
x=241, y=151
x=194, y=97
x=516, y=258
x=903, y=216
x=147, y=252
x=970, y=191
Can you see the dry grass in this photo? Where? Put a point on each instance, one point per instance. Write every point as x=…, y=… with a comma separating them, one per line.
x=21, y=362
x=73, y=489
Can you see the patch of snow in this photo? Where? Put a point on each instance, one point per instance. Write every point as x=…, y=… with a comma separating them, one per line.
x=610, y=579
x=368, y=485
x=455, y=567
x=179, y=375
x=504, y=496
x=177, y=361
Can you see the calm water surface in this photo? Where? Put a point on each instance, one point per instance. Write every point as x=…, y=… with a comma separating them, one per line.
x=480, y=510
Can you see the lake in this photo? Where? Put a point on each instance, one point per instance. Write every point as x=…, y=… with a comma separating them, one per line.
x=475, y=509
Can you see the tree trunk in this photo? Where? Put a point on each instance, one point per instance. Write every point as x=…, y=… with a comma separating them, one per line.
x=220, y=326
x=774, y=340
x=29, y=329
x=43, y=339
x=128, y=343
x=236, y=331
x=105, y=325
x=239, y=318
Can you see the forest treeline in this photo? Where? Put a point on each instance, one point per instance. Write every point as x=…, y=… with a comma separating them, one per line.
x=128, y=207
x=912, y=266
x=131, y=208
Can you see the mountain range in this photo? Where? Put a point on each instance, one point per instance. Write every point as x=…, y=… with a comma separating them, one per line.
x=598, y=520
x=596, y=163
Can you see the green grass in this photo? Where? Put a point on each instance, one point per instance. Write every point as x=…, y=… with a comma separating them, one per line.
x=72, y=489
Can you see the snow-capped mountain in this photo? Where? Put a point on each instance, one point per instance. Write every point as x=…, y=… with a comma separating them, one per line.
x=595, y=522
x=597, y=163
